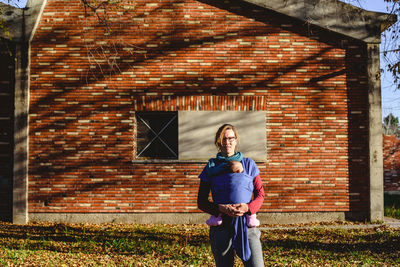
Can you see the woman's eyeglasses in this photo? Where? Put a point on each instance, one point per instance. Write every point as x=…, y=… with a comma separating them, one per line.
x=229, y=139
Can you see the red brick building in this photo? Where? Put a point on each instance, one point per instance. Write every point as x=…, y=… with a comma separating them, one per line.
x=391, y=163
x=103, y=107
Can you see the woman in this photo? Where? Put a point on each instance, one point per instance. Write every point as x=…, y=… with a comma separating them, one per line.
x=233, y=235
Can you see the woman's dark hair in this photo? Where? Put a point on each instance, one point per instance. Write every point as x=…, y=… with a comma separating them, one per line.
x=220, y=134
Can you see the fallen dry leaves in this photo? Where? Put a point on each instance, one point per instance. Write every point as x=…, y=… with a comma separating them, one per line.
x=51, y=244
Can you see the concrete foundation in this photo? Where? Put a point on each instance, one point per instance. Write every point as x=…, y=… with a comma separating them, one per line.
x=180, y=218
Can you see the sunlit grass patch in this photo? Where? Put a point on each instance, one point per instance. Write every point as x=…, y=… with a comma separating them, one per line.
x=187, y=245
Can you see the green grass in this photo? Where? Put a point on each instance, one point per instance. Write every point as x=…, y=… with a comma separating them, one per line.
x=187, y=245
x=392, y=206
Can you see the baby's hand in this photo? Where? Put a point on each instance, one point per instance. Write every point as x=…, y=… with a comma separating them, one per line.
x=236, y=167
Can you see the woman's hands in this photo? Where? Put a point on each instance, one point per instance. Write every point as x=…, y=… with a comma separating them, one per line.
x=234, y=210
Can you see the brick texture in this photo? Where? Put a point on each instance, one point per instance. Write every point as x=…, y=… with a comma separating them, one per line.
x=391, y=163
x=87, y=81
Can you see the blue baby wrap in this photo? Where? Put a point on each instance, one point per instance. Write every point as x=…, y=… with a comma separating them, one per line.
x=232, y=188
x=235, y=188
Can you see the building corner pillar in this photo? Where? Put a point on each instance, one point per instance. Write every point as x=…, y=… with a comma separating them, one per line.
x=21, y=106
x=376, y=206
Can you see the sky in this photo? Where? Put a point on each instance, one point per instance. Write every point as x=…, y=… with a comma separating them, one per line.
x=390, y=95
x=16, y=3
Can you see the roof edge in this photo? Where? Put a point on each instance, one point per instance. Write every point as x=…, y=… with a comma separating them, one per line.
x=20, y=23
x=334, y=15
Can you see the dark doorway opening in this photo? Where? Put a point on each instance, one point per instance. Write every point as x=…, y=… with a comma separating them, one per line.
x=7, y=85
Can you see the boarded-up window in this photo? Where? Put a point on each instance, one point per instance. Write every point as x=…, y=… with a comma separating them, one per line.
x=161, y=134
x=157, y=135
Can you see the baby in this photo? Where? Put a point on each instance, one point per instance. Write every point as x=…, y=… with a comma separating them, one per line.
x=252, y=221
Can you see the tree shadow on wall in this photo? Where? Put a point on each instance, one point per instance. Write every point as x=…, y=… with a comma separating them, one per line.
x=83, y=94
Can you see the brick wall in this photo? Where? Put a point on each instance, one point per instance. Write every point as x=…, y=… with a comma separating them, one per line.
x=391, y=163
x=87, y=82
x=7, y=69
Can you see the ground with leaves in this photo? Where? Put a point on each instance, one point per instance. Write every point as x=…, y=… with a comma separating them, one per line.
x=187, y=245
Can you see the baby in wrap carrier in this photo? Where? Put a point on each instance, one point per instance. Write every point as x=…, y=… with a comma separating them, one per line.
x=252, y=221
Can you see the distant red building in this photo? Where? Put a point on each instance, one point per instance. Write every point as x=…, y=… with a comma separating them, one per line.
x=391, y=163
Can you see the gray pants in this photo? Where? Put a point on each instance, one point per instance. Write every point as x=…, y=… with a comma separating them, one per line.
x=222, y=249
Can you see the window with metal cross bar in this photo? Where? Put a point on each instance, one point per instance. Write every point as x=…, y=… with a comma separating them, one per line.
x=157, y=135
